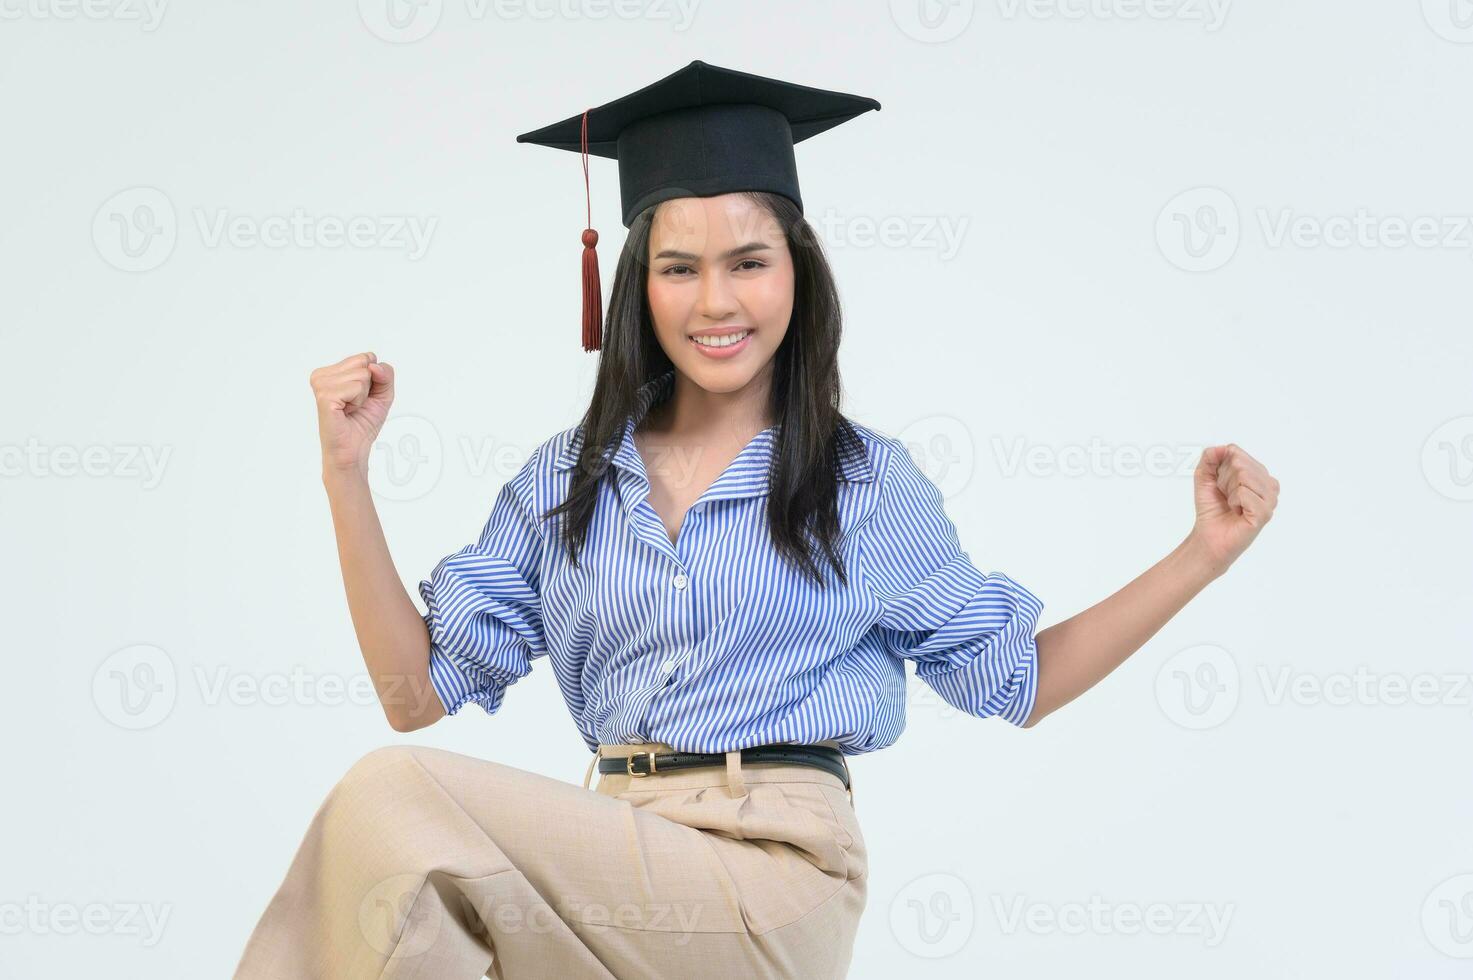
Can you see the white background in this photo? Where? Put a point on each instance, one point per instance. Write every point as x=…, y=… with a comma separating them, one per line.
x=1148, y=207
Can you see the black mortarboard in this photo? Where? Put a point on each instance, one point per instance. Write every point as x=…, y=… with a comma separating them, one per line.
x=699, y=132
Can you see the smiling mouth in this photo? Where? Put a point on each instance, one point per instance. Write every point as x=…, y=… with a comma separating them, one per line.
x=718, y=341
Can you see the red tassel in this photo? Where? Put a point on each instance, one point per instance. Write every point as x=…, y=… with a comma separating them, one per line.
x=592, y=295
x=593, y=304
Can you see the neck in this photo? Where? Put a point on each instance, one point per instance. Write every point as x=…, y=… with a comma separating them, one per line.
x=695, y=412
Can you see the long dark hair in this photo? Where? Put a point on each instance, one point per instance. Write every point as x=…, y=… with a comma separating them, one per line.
x=812, y=434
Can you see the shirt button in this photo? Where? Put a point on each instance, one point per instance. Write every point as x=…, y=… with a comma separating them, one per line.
x=680, y=581
x=667, y=666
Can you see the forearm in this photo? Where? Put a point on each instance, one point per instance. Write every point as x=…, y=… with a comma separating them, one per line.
x=390, y=629
x=1079, y=652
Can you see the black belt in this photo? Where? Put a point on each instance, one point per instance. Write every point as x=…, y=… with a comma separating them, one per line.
x=645, y=763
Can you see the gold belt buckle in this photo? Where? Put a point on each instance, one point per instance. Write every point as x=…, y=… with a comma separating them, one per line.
x=629, y=764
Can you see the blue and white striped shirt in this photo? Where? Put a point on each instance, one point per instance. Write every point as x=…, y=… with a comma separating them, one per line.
x=713, y=642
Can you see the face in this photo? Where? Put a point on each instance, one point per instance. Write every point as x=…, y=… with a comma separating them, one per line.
x=720, y=288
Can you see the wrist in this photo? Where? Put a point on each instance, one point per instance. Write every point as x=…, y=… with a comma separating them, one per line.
x=1198, y=560
x=344, y=477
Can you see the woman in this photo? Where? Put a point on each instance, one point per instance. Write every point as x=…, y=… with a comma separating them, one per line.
x=727, y=577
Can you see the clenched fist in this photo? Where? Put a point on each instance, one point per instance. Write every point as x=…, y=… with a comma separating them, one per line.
x=1235, y=497
x=353, y=398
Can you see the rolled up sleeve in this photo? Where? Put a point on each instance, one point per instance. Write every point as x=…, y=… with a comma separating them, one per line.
x=971, y=635
x=484, y=614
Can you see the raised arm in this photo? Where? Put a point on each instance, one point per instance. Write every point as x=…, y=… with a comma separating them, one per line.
x=353, y=398
x=1235, y=496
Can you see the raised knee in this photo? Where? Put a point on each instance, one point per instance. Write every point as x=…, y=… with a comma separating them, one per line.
x=379, y=765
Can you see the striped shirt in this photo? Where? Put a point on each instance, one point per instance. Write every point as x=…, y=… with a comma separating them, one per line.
x=713, y=642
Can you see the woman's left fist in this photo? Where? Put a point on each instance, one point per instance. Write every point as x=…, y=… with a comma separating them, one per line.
x=1235, y=497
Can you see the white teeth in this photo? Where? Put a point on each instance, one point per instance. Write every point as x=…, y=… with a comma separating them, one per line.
x=725, y=341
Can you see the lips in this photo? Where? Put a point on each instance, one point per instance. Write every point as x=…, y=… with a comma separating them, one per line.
x=728, y=350
x=716, y=339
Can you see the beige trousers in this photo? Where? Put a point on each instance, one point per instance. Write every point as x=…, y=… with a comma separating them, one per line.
x=428, y=864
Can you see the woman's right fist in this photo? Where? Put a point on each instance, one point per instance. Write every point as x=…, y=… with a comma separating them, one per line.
x=353, y=398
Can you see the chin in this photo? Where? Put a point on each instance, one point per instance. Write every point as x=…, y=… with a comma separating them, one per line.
x=725, y=378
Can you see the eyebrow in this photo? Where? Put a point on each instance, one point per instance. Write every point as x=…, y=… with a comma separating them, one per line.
x=671, y=253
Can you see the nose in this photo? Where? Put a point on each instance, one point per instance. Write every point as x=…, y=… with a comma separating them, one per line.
x=717, y=300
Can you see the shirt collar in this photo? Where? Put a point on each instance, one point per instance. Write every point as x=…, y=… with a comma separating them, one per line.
x=752, y=461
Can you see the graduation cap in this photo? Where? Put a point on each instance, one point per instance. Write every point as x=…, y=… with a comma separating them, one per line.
x=698, y=132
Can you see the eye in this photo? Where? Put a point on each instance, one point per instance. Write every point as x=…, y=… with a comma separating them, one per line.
x=753, y=262
x=673, y=268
